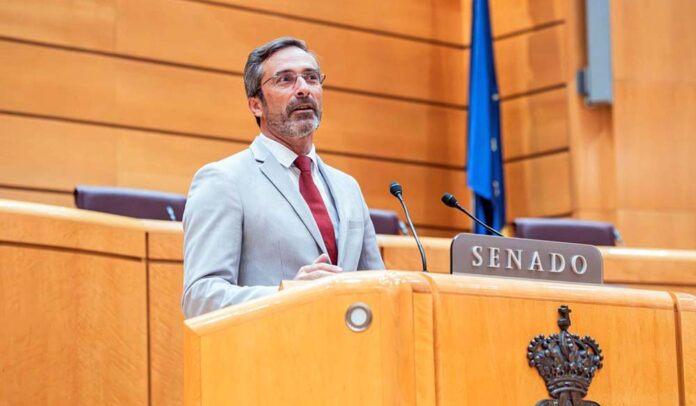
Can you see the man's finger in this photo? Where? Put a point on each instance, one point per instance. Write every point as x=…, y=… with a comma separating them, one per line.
x=318, y=274
x=323, y=258
x=322, y=267
x=313, y=275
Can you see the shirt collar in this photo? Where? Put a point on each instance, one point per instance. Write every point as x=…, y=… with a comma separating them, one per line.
x=283, y=154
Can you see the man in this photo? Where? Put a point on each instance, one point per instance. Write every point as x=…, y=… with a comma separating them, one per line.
x=273, y=211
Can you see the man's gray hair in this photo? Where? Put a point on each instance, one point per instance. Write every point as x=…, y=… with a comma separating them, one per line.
x=253, y=71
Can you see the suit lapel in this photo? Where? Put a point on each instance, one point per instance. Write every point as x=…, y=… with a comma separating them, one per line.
x=276, y=174
x=341, y=200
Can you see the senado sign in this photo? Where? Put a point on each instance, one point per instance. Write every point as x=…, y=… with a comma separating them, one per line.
x=524, y=258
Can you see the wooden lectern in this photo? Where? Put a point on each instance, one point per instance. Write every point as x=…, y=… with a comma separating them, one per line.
x=437, y=340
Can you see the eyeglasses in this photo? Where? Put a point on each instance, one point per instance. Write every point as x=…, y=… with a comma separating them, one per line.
x=287, y=80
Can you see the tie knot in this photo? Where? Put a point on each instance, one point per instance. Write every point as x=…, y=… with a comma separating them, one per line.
x=304, y=163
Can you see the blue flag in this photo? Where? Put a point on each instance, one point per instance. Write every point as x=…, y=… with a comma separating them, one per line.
x=485, y=158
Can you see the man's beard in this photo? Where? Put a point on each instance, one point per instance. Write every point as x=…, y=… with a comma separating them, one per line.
x=284, y=124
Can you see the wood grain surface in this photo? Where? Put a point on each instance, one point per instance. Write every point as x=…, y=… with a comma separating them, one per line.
x=126, y=93
x=83, y=230
x=166, y=319
x=73, y=294
x=504, y=314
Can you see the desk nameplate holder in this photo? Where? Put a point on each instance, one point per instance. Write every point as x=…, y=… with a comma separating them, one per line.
x=484, y=255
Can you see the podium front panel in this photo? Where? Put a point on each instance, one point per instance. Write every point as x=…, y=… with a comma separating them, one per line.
x=296, y=348
x=484, y=326
x=439, y=339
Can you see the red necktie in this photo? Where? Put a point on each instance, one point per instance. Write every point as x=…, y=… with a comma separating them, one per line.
x=311, y=194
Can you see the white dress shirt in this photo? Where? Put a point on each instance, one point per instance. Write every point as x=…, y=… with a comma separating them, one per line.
x=287, y=157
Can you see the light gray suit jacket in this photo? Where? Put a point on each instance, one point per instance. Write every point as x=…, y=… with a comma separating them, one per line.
x=246, y=228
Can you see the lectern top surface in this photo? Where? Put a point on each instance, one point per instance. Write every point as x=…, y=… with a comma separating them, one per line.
x=397, y=282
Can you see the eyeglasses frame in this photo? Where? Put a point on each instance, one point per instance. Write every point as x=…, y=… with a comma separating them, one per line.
x=322, y=77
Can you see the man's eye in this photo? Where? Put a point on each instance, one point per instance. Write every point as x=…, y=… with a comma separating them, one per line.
x=311, y=77
x=286, y=78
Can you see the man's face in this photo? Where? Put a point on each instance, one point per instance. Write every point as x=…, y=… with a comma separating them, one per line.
x=293, y=111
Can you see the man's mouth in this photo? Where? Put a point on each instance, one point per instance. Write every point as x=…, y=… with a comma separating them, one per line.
x=305, y=108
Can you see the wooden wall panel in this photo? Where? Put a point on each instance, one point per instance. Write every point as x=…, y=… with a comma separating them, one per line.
x=410, y=69
x=99, y=88
x=186, y=32
x=168, y=162
x=75, y=328
x=379, y=127
x=441, y=20
x=197, y=101
x=535, y=187
x=653, y=121
x=102, y=155
x=57, y=82
x=54, y=155
x=162, y=97
x=445, y=21
x=181, y=100
x=438, y=20
x=534, y=124
x=423, y=187
x=84, y=24
x=538, y=187
x=670, y=54
x=58, y=155
x=530, y=125
x=654, y=126
x=653, y=228
x=531, y=61
x=511, y=16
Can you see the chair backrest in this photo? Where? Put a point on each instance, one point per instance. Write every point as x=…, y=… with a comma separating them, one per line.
x=566, y=230
x=138, y=203
x=386, y=222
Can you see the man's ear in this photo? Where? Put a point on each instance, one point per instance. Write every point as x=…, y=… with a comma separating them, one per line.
x=255, y=106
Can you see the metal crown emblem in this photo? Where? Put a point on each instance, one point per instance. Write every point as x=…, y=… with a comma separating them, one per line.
x=566, y=362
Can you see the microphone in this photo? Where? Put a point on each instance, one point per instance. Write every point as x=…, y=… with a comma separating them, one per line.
x=170, y=213
x=449, y=200
x=396, y=190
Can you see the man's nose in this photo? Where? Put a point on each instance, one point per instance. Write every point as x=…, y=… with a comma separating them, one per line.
x=301, y=86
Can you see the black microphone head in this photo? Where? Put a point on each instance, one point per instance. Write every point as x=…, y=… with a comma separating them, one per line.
x=449, y=200
x=395, y=189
